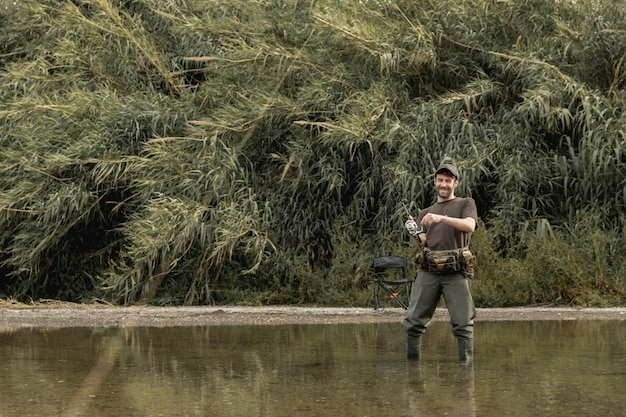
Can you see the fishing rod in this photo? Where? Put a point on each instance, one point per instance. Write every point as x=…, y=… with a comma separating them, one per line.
x=411, y=225
x=393, y=184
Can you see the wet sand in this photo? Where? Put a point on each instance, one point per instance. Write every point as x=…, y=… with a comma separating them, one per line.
x=52, y=314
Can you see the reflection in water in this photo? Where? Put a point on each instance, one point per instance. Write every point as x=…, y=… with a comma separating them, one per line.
x=79, y=403
x=559, y=368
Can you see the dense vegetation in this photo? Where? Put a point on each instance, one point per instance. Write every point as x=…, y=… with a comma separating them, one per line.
x=198, y=151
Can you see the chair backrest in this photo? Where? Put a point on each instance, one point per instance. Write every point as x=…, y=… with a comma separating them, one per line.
x=383, y=262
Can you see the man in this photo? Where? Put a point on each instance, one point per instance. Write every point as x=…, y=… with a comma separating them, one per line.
x=445, y=265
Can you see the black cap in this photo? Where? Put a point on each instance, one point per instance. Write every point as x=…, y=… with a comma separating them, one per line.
x=451, y=169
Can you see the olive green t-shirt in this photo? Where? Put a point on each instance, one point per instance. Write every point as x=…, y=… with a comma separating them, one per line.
x=441, y=236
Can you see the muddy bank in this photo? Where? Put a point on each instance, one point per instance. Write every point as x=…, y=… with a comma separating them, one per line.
x=14, y=315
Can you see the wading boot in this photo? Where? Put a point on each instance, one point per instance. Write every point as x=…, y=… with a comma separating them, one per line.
x=466, y=350
x=413, y=347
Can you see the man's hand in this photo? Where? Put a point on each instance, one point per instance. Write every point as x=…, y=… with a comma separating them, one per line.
x=431, y=218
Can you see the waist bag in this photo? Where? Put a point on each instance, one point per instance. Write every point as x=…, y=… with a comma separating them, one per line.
x=447, y=261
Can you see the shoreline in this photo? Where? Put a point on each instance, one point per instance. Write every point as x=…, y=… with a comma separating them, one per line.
x=61, y=315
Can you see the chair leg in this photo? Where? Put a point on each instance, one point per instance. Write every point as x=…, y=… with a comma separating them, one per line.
x=392, y=296
x=375, y=296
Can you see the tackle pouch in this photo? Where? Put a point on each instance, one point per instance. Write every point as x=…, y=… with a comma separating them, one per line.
x=447, y=261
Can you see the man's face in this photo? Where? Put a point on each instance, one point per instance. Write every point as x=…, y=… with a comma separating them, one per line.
x=445, y=185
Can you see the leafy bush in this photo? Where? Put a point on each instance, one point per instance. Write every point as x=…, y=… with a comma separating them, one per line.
x=263, y=152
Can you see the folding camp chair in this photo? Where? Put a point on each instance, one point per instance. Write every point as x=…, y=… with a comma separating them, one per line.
x=393, y=290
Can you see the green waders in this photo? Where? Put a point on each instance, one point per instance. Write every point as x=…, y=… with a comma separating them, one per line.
x=426, y=291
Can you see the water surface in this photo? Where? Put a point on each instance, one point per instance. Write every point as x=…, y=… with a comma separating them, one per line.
x=551, y=368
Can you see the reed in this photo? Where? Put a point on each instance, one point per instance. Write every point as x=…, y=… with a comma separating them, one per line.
x=227, y=152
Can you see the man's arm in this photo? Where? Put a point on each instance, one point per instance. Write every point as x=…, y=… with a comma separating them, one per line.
x=419, y=240
x=466, y=224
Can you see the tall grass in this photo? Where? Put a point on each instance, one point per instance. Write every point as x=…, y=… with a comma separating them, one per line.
x=263, y=152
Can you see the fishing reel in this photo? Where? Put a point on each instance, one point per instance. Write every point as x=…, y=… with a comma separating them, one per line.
x=411, y=227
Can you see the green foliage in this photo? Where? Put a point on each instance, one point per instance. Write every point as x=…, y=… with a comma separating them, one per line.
x=264, y=151
x=584, y=267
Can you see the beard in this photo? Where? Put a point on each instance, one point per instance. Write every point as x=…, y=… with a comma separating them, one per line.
x=444, y=192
